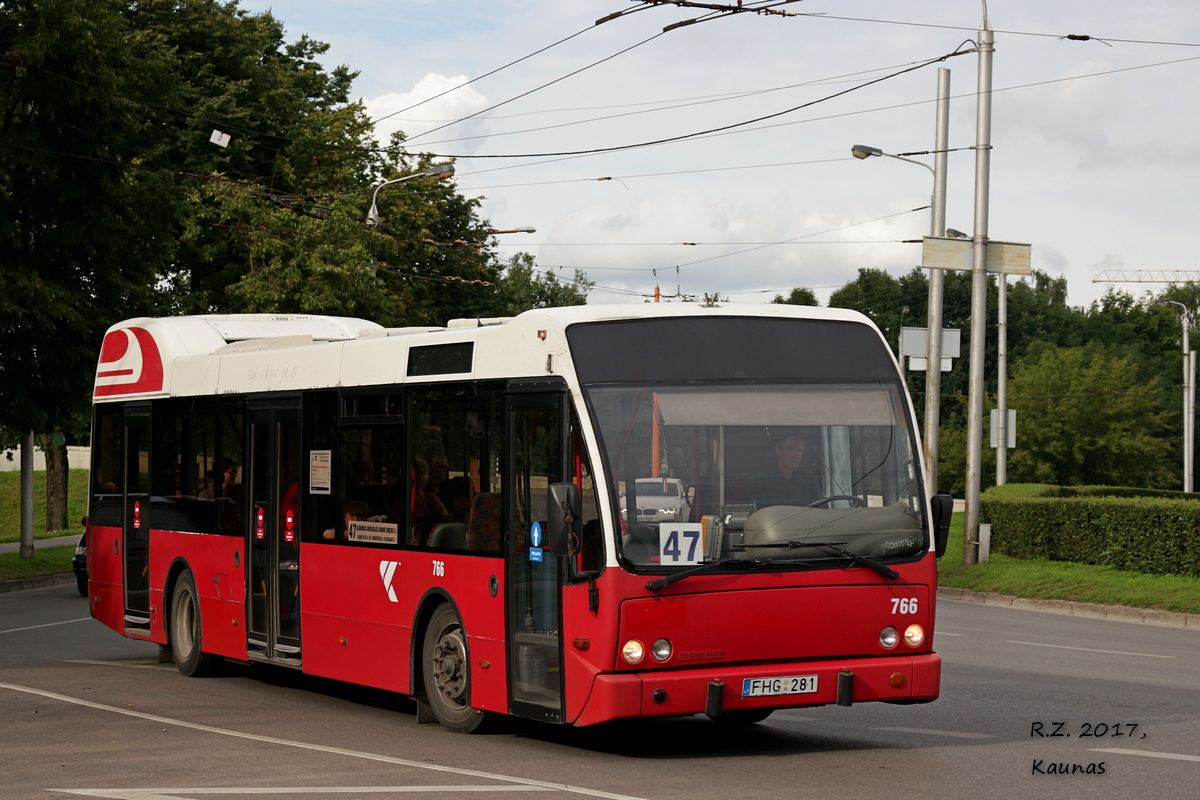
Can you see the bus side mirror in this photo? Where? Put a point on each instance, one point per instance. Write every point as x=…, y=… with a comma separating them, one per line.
x=943, y=509
x=563, y=522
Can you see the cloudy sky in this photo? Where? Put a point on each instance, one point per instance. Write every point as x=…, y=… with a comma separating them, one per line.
x=1095, y=158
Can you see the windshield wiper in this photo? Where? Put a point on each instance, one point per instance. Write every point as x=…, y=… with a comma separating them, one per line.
x=662, y=583
x=870, y=563
x=796, y=544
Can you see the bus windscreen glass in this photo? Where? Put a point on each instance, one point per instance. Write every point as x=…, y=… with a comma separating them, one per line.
x=762, y=472
x=787, y=440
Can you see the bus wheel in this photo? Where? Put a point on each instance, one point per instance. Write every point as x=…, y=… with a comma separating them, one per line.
x=186, y=641
x=738, y=719
x=447, y=675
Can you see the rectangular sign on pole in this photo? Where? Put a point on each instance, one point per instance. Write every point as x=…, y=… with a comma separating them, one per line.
x=1010, y=430
x=914, y=343
x=1011, y=258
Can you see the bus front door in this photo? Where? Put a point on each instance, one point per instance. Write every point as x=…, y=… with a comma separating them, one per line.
x=536, y=450
x=136, y=549
x=273, y=566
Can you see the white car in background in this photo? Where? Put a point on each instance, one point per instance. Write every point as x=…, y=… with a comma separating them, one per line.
x=661, y=500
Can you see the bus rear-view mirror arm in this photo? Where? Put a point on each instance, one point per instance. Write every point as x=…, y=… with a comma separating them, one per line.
x=563, y=523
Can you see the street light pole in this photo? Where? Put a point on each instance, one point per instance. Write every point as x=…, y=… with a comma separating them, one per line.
x=1189, y=397
x=937, y=281
x=937, y=227
x=979, y=284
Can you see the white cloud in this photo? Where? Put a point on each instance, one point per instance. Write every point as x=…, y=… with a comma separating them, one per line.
x=437, y=102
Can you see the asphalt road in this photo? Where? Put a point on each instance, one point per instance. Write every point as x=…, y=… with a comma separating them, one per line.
x=86, y=713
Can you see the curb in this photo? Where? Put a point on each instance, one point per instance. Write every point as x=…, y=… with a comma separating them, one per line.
x=36, y=582
x=1148, y=616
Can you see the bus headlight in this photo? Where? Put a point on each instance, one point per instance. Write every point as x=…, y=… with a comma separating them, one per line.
x=661, y=650
x=633, y=652
x=889, y=637
x=914, y=635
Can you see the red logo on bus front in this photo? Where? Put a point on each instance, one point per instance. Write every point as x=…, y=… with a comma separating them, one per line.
x=129, y=364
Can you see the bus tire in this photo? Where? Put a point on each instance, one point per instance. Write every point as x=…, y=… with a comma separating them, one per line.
x=186, y=630
x=446, y=674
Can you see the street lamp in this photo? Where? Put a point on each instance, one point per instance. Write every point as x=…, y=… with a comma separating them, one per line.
x=526, y=229
x=1189, y=396
x=436, y=171
x=865, y=151
x=937, y=227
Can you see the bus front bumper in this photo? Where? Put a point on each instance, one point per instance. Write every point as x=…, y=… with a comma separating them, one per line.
x=903, y=679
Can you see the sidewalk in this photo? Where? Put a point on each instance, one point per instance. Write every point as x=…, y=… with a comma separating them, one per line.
x=39, y=544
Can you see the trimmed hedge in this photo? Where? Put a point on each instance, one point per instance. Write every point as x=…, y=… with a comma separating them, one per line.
x=1132, y=529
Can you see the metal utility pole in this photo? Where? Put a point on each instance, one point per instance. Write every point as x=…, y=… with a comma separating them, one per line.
x=937, y=282
x=983, y=153
x=1189, y=394
x=27, y=496
x=1002, y=380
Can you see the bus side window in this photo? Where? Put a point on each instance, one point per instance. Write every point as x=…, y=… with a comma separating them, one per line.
x=320, y=514
x=590, y=556
x=108, y=474
x=454, y=497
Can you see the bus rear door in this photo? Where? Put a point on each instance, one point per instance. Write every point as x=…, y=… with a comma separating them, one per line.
x=136, y=533
x=273, y=565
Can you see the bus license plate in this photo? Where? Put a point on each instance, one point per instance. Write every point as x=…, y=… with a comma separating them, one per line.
x=789, y=684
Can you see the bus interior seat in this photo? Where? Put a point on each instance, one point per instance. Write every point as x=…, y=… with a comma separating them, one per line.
x=483, y=528
x=642, y=544
x=451, y=535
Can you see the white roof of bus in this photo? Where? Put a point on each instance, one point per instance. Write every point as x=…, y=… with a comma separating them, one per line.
x=246, y=353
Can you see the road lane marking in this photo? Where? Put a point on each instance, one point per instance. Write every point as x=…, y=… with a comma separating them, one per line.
x=127, y=664
x=1090, y=650
x=1148, y=753
x=340, y=751
x=291, y=791
x=47, y=625
x=931, y=732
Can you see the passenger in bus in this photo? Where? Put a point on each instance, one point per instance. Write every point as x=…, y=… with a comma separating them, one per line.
x=427, y=509
x=789, y=481
x=364, y=474
x=104, y=486
x=228, y=477
x=356, y=510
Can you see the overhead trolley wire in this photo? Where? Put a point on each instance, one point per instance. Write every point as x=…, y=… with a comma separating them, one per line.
x=539, y=88
x=719, y=129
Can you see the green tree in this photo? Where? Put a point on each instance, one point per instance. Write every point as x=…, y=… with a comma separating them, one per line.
x=522, y=287
x=1086, y=416
x=106, y=109
x=800, y=296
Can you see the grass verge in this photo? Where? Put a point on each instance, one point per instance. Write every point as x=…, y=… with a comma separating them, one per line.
x=47, y=561
x=1041, y=579
x=10, y=504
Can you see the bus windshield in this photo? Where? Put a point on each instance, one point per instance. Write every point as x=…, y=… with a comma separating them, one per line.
x=761, y=471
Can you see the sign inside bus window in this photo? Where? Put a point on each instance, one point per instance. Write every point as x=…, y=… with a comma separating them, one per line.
x=680, y=543
x=320, y=471
x=368, y=531
x=535, y=542
x=129, y=364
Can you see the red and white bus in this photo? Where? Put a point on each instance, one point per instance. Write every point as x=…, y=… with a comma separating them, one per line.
x=574, y=515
